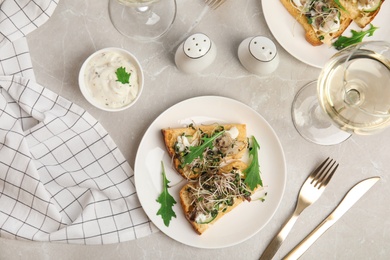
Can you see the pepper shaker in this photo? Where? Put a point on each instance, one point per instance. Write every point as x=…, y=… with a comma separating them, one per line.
x=258, y=55
x=195, y=54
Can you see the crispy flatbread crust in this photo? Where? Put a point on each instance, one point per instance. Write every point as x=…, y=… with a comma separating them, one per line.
x=311, y=35
x=170, y=136
x=361, y=18
x=186, y=201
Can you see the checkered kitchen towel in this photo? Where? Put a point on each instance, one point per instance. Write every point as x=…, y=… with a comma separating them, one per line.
x=17, y=19
x=62, y=178
x=20, y=17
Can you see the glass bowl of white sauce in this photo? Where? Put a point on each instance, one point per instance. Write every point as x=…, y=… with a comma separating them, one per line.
x=111, y=79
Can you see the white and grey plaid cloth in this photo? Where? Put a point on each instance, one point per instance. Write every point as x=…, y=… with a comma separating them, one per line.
x=62, y=178
x=20, y=17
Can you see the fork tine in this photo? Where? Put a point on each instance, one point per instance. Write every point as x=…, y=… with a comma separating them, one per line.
x=214, y=4
x=210, y=2
x=325, y=171
x=218, y=4
x=329, y=176
x=314, y=174
x=324, y=174
x=318, y=175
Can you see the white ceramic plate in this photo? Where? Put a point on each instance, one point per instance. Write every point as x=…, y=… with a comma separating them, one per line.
x=290, y=34
x=248, y=218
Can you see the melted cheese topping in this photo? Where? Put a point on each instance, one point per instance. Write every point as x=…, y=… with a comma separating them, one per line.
x=328, y=24
x=368, y=5
x=233, y=132
x=321, y=15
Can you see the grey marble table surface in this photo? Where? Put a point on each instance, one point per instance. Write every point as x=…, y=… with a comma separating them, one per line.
x=78, y=28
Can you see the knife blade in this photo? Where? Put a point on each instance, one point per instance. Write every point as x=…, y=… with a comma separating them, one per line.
x=353, y=195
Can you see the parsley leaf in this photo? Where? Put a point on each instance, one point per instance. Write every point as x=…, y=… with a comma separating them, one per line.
x=122, y=75
x=166, y=201
x=252, y=173
x=356, y=37
x=197, y=151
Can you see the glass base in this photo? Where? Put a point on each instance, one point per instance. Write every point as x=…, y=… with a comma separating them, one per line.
x=144, y=23
x=311, y=121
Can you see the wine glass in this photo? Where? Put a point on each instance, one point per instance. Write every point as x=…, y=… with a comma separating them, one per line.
x=143, y=20
x=351, y=95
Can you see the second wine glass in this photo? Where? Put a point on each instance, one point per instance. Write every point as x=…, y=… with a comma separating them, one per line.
x=351, y=95
x=143, y=20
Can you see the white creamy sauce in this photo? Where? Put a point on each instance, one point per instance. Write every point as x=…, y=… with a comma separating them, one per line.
x=331, y=23
x=298, y=3
x=182, y=143
x=368, y=5
x=101, y=80
x=233, y=132
x=200, y=218
x=302, y=5
x=322, y=21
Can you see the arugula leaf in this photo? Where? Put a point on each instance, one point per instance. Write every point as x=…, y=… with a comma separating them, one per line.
x=197, y=151
x=252, y=173
x=122, y=75
x=356, y=37
x=340, y=5
x=166, y=201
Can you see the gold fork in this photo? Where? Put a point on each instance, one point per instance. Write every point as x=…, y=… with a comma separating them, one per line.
x=310, y=191
x=214, y=4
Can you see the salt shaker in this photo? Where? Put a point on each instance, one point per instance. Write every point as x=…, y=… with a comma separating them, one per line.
x=195, y=54
x=258, y=55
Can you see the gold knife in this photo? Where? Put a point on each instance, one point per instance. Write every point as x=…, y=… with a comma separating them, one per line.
x=353, y=195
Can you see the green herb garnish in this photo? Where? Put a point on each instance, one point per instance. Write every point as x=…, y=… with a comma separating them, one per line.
x=356, y=37
x=197, y=151
x=252, y=173
x=166, y=201
x=340, y=5
x=122, y=75
x=262, y=199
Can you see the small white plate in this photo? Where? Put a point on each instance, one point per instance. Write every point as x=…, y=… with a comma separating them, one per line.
x=290, y=34
x=249, y=217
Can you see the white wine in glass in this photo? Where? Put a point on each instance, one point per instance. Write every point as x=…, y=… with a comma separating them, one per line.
x=143, y=20
x=351, y=96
